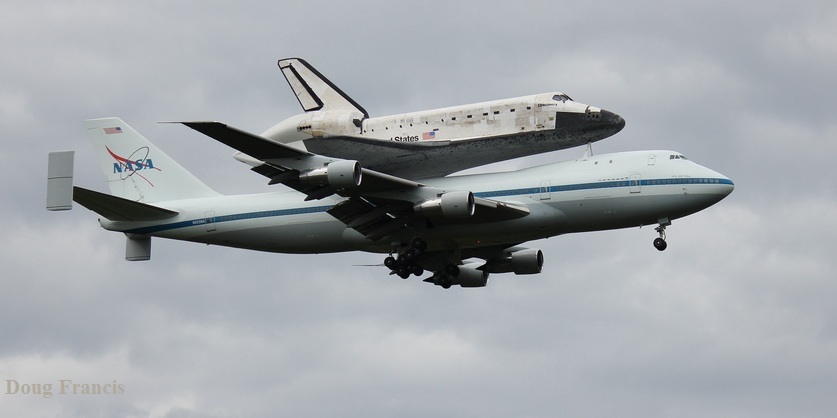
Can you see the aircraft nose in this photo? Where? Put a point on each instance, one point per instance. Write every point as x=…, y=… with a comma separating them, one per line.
x=583, y=123
x=722, y=186
x=727, y=185
x=613, y=120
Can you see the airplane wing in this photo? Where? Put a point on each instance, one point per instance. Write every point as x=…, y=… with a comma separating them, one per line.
x=295, y=168
x=437, y=158
x=378, y=203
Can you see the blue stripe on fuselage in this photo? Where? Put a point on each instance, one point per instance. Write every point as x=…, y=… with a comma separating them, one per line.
x=603, y=185
x=229, y=218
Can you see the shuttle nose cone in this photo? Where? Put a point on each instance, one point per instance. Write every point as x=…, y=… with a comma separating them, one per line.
x=615, y=121
x=590, y=125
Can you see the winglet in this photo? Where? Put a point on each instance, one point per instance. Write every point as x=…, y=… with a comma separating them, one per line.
x=313, y=90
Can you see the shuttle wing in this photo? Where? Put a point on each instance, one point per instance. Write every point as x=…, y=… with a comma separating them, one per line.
x=377, y=203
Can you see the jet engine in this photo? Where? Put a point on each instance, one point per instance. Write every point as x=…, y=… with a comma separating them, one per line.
x=518, y=261
x=470, y=276
x=342, y=174
x=529, y=261
x=458, y=204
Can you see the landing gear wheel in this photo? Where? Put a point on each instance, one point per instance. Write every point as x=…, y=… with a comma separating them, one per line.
x=660, y=244
x=452, y=270
x=390, y=262
x=404, y=272
x=446, y=283
x=418, y=244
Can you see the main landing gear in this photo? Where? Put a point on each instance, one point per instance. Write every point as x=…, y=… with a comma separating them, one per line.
x=445, y=278
x=405, y=264
x=660, y=243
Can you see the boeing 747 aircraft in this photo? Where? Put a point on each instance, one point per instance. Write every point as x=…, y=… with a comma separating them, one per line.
x=433, y=143
x=460, y=229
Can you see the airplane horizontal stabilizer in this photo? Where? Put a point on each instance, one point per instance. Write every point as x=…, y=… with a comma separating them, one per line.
x=118, y=209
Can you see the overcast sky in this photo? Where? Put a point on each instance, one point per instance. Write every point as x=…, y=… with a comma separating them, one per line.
x=737, y=318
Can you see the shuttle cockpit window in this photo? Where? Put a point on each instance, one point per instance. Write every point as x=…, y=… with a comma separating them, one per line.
x=677, y=157
x=561, y=98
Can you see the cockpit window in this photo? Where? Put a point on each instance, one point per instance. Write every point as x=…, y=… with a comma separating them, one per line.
x=677, y=157
x=561, y=98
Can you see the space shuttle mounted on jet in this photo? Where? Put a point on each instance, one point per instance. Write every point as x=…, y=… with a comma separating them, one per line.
x=438, y=142
x=459, y=228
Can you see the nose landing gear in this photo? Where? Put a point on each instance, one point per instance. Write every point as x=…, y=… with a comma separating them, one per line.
x=660, y=243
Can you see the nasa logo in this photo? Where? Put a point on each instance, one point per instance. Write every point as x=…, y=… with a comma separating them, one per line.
x=137, y=161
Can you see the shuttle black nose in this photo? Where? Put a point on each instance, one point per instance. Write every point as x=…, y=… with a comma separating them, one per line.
x=592, y=125
x=614, y=120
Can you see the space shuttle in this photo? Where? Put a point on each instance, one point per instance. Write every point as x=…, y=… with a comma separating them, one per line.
x=431, y=143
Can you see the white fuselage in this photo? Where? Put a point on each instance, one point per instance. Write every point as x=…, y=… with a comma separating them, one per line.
x=597, y=193
x=454, y=123
x=460, y=123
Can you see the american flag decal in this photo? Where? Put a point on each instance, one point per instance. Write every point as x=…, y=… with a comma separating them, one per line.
x=114, y=130
x=429, y=135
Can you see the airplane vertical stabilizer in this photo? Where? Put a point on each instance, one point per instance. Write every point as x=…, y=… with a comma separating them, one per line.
x=313, y=90
x=136, y=169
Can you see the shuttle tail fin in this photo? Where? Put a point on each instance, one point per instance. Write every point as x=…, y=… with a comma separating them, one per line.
x=313, y=90
x=136, y=169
